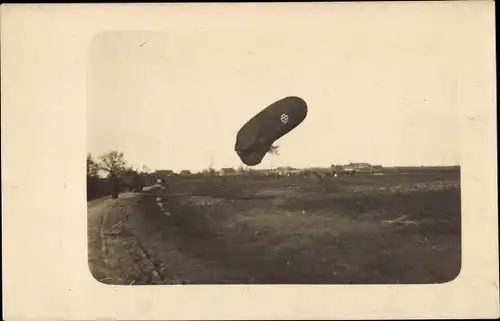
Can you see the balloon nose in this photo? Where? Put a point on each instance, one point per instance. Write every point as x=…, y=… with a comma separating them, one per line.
x=249, y=158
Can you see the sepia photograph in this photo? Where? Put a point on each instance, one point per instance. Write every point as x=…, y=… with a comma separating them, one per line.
x=260, y=156
x=249, y=161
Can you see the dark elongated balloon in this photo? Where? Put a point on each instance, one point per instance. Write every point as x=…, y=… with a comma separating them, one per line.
x=256, y=137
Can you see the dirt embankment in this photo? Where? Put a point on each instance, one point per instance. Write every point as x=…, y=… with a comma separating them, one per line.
x=116, y=256
x=130, y=244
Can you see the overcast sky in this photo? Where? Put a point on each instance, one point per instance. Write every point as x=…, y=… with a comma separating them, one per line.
x=377, y=92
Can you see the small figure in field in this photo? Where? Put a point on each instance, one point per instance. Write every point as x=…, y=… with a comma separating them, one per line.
x=162, y=182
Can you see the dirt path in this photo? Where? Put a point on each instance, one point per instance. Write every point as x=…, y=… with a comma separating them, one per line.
x=128, y=245
x=115, y=254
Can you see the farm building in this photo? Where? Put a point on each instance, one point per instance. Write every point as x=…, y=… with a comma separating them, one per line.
x=352, y=167
x=164, y=172
x=359, y=167
x=227, y=171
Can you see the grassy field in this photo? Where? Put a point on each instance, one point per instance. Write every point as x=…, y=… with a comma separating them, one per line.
x=364, y=229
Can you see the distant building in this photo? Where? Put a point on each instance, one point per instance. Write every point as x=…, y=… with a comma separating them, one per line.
x=165, y=172
x=295, y=172
x=352, y=167
x=284, y=170
x=227, y=171
x=360, y=165
x=336, y=168
x=185, y=172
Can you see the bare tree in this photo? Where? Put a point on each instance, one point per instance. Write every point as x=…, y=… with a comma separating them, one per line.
x=274, y=150
x=92, y=166
x=96, y=186
x=212, y=171
x=241, y=169
x=114, y=164
x=133, y=179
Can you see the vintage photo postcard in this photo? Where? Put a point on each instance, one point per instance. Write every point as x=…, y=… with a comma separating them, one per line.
x=333, y=160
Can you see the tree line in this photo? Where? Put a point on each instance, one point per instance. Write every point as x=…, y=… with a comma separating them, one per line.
x=110, y=174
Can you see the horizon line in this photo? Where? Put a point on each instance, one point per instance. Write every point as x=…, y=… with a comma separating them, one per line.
x=247, y=168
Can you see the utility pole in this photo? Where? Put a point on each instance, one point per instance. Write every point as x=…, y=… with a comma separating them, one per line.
x=210, y=160
x=210, y=163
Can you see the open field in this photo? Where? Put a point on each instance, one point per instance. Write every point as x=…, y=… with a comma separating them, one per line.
x=364, y=229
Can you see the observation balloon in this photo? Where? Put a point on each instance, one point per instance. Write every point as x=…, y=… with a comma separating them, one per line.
x=257, y=136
